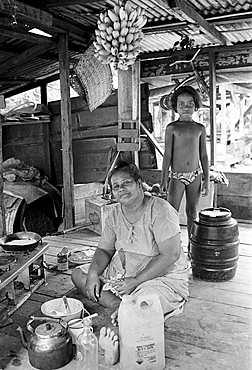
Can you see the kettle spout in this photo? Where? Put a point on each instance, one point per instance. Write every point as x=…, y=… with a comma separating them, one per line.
x=23, y=338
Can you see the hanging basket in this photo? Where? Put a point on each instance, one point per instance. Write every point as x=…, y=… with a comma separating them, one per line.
x=95, y=78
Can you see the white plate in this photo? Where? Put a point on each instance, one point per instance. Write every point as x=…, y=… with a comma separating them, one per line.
x=81, y=256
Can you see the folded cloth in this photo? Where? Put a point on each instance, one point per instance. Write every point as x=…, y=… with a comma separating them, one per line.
x=176, y=312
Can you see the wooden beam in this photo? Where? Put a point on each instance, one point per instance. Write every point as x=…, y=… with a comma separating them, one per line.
x=78, y=32
x=17, y=8
x=22, y=58
x=186, y=11
x=66, y=134
x=164, y=4
x=27, y=36
x=31, y=85
x=55, y=3
x=14, y=82
x=180, y=53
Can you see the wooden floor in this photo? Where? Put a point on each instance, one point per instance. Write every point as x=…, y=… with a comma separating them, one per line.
x=213, y=333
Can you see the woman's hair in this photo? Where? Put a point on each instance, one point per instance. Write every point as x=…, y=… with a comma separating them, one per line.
x=186, y=90
x=129, y=168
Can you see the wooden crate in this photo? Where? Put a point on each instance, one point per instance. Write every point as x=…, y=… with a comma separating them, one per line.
x=96, y=211
x=81, y=192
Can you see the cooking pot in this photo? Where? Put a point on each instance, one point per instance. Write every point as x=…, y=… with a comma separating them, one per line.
x=50, y=344
x=22, y=241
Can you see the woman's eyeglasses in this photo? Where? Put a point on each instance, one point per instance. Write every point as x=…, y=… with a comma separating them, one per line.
x=124, y=184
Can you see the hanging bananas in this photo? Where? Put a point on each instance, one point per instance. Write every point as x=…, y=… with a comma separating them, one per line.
x=119, y=35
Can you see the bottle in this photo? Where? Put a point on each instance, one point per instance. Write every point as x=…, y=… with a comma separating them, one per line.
x=87, y=348
x=142, y=337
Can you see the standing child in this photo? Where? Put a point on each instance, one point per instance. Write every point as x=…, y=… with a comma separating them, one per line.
x=186, y=156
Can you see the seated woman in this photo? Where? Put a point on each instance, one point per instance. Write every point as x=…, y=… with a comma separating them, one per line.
x=140, y=249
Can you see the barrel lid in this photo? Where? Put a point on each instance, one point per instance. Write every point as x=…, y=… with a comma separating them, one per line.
x=215, y=212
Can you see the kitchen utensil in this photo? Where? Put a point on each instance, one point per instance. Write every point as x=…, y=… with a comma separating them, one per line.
x=22, y=241
x=55, y=308
x=50, y=344
x=68, y=310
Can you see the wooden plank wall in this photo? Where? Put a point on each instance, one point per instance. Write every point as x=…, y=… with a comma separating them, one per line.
x=237, y=196
x=94, y=139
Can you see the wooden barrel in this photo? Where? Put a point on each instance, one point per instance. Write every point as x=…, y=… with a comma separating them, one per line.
x=214, y=245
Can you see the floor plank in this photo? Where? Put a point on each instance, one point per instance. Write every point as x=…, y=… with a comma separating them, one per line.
x=213, y=333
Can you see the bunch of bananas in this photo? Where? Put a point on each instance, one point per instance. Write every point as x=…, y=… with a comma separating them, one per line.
x=119, y=35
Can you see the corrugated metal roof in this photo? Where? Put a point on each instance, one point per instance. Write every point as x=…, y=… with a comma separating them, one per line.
x=208, y=22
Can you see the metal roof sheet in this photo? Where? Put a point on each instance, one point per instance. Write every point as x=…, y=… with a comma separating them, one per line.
x=209, y=23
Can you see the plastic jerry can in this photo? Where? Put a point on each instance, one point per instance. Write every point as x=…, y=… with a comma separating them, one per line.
x=141, y=332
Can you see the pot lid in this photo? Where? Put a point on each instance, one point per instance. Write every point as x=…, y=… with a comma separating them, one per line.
x=215, y=212
x=48, y=330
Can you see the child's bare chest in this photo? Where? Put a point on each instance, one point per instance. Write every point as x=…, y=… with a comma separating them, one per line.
x=186, y=132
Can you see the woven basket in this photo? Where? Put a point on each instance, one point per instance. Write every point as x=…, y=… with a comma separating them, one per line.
x=76, y=85
x=95, y=78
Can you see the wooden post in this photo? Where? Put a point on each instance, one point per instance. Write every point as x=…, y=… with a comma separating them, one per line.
x=46, y=135
x=136, y=102
x=2, y=208
x=213, y=136
x=128, y=112
x=212, y=82
x=66, y=134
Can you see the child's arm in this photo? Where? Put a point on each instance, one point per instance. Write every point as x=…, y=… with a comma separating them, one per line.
x=167, y=158
x=204, y=163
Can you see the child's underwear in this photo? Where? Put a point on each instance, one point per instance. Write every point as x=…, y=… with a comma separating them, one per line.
x=185, y=177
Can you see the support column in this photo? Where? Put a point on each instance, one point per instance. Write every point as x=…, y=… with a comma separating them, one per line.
x=66, y=134
x=128, y=112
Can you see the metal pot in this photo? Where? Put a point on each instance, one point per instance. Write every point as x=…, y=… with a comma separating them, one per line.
x=22, y=241
x=50, y=344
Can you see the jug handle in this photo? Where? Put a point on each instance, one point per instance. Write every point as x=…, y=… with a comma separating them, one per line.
x=148, y=299
x=43, y=318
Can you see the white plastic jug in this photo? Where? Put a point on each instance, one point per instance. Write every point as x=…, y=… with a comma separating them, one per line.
x=141, y=332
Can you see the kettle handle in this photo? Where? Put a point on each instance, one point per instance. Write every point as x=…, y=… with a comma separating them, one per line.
x=43, y=318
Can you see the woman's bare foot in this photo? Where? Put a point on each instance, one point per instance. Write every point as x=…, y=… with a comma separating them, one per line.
x=114, y=318
x=108, y=341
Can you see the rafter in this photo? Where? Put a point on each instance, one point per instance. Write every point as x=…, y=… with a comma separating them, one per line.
x=22, y=58
x=10, y=32
x=27, y=11
x=46, y=4
x=185, y=10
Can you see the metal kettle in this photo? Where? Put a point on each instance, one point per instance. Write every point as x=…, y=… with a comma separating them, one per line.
x=50, y=344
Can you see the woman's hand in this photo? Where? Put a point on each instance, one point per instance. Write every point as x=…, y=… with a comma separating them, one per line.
x=93, y=286
x=125, y=286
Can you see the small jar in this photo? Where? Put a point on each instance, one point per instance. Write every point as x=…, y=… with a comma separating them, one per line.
x=62, y=259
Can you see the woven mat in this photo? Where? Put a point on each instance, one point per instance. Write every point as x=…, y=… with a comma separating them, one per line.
x=95, y=77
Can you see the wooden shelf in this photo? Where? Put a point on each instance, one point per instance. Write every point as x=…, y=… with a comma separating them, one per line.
x=29, y=122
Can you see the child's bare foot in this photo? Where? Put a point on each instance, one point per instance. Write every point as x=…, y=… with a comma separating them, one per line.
x=109, y=342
